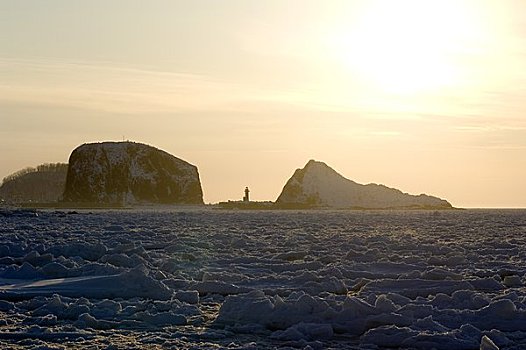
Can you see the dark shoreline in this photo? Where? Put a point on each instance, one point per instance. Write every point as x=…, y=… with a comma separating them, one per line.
x=231, y=205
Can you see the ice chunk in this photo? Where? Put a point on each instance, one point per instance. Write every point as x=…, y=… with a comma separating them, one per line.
x=428, y=324
x=291, y=256
x=440, y=274
x=307, y=331
x=503, y=309
x=388, y=336
x=188, y=296
x=62, y=310
x=512, y=281
x=253, y=307
x=6, y=305
x=87, y=321
x=216, y=287
x=487, y=284
x=414, y=288
x=161, y=318
x=106, y=309
x=122, y=260
x=92, y=252
x=134, y=283
x=487, y=344
x=54, y=270
x=384, y=304
x=26, y=272
x=440, y=341
x=35, y=259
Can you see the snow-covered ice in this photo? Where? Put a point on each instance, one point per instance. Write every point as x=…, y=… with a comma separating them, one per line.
x=209, y=279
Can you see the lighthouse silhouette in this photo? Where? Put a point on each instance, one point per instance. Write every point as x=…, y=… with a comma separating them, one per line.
x=246, y=197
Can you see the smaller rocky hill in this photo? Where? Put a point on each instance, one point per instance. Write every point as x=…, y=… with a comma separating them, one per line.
x=318, y=185
x=43, y=184
x=129, y=173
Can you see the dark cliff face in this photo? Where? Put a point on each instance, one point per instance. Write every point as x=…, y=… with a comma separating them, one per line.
x=318, y=185
x=128, y=172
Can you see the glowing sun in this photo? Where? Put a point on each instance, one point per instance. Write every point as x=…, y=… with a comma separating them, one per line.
x=406, y=46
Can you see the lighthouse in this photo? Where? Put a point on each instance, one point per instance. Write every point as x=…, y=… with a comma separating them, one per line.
x=246, y=197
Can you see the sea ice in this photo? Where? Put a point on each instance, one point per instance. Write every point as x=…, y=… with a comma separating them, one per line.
x=201, y=278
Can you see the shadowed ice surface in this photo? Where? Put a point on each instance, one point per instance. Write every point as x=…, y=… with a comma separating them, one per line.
x=208, y=279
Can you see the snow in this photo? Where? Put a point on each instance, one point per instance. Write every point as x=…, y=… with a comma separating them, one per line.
x=181, y=279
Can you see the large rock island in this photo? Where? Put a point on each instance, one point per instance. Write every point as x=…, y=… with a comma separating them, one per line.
x=317, y=186
x=130, y=173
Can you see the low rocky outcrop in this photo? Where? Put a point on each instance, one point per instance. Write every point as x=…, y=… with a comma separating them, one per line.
x=317, y=185
x=130, y=173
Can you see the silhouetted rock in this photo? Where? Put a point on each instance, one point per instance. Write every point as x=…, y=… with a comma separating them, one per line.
x=44, y=183
x=318, y=185
x=129, y=172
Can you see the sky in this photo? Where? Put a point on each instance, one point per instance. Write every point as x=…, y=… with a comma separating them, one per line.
x=424, y=96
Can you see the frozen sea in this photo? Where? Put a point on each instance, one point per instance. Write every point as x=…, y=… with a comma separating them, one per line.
x=214, y=279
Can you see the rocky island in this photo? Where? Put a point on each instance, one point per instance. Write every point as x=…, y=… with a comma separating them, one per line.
x=126, y=173
x=319, y=186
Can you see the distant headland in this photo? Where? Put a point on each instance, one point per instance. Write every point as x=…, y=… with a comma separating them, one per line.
x=124, y=174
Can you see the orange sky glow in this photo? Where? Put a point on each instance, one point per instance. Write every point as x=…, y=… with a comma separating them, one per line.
x=425, y=96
